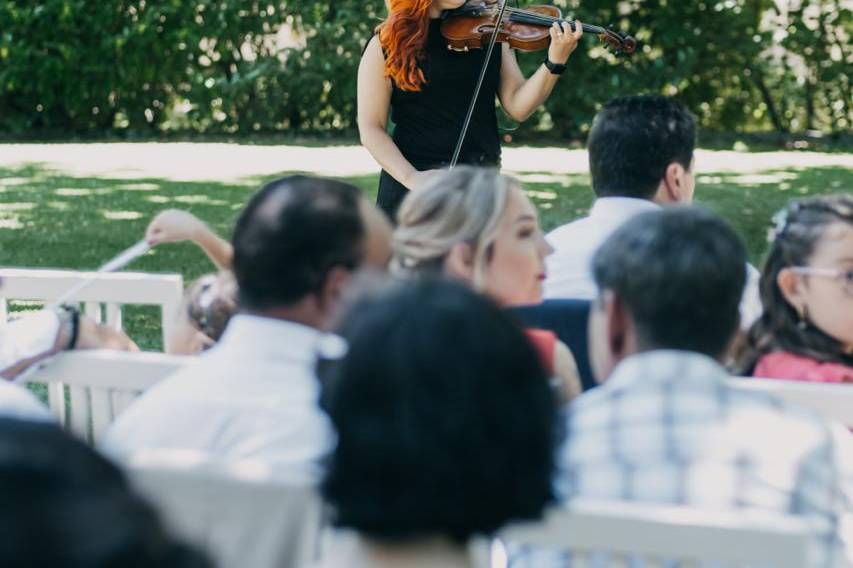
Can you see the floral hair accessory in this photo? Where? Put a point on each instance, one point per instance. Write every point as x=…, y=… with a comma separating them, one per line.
x=780, y=221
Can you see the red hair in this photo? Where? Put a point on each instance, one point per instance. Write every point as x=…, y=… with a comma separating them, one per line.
x=403, y=38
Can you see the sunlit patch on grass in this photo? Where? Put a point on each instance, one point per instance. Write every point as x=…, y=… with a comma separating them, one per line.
x=139, y=187
x=709, y=180
x=762, y=179
x=17, y=206
x=543, y=178
x=544, y=195
x=199, y=199
x=9, y=181
x=122, y=215
x=11, y=223
x=158, y=198
x=59, y=205
x=73, y=192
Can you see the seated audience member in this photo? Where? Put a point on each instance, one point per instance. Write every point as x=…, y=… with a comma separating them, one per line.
x=806, y=331
x=254, y=395
x=64, y=505
x=446, y=431
x=666, y=427
x=174, y=226
x=207, y=308
x=640, y=158
x=31, y=339
x=478, y=226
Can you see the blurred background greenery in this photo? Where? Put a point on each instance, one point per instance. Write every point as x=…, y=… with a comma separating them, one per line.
x=142, y=68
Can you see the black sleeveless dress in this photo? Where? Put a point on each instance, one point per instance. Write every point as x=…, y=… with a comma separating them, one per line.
x=427, y=123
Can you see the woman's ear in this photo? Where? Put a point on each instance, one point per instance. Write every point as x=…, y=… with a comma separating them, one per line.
x=460, y=262
x=791, y=288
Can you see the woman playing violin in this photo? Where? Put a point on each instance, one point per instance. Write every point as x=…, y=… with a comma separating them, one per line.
x=408, y=69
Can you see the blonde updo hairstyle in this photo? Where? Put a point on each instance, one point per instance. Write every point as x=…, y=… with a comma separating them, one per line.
x=463, y=205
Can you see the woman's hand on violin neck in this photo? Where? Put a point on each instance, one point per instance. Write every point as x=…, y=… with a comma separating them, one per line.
x=564, y=41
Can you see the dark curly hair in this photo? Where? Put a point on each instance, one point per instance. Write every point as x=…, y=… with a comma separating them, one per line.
x=62, y=504
x=446, y=422
x=799, y=229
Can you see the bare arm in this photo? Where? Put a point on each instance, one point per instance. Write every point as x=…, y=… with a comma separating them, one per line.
x=566, y=371
x=374, y=102
x=520, y=97
x=173, y=225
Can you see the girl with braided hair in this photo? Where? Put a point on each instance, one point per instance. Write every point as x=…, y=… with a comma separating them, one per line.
x=806, y=330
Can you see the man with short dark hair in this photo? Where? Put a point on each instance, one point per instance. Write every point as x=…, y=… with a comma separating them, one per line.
x=666, y=426
x=640, y=158
x=254, y=395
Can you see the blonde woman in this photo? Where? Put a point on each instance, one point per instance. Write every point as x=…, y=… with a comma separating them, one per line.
x=478, y=226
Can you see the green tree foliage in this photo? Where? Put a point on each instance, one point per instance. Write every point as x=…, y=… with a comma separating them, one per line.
x=245, y=66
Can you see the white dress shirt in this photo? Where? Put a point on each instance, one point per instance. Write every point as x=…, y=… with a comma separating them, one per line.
x=253, y=396
x=569, y=268
x=667, y=428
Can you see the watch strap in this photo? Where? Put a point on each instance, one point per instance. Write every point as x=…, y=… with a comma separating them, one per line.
x=554, y=68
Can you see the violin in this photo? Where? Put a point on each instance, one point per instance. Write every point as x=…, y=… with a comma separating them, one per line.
x=472, y=25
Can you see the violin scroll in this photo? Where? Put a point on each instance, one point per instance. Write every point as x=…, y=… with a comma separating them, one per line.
x=620, y=42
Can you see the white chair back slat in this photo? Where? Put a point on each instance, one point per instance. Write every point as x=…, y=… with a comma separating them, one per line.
x=81, y=416
x=100, y=402
x=101, y=384
x=56, y=401
x=678, y=534
x=121, y=400
x=834, y=402
x=93, y=311
x=112, y=312
x=236, y=512
x=120, y=288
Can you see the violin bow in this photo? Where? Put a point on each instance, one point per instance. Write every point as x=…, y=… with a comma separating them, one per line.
x=498, y=23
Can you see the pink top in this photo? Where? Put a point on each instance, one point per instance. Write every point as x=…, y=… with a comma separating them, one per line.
x=784, y=365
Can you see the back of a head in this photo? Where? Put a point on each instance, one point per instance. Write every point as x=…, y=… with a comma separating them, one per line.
x=680, y=273
x=463, y=205
x=290, y=235
x=62, y=504
x=633, y=140
x=447, y=429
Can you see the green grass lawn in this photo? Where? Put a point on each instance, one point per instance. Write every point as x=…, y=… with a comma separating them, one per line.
x=51, y=219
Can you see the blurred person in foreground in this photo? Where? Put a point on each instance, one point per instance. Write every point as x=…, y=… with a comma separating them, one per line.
x=446, y=432
x=66, y=506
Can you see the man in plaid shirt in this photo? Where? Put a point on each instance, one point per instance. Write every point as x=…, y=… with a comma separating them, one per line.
x=665, y=427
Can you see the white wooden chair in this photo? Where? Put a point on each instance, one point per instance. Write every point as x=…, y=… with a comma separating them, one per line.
x=235, y=511
x=832, y=401
x=102, y=299
x=88, y=389
x=663, y=534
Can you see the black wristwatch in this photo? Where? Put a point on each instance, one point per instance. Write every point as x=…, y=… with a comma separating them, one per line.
x=554, y=68
x=69, y=316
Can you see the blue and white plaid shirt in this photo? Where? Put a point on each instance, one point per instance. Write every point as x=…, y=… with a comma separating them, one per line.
x=666, y=428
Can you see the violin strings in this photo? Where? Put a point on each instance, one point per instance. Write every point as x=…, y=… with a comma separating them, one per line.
x=534, y=18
